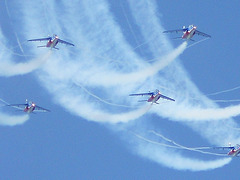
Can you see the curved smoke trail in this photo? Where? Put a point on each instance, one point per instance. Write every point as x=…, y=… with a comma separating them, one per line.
x=170, y=157
x=101, y=36
x=11, y=120
x=10, y=68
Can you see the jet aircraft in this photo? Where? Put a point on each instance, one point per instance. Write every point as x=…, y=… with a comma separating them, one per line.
x=52, y=41
x=154, y=96
x=29, y=107
x=188, y=32
x=234, y=150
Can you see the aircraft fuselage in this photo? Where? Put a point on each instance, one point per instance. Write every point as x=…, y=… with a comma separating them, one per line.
x=52, y=43
x=154, y=98
x=188, y=34
x=234, y=152
x=29, y=108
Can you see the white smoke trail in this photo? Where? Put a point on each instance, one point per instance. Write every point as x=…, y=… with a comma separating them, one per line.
x=195, y=149
x=11, y=120
x=9, y=68
x=174, y=160
x=176, y=145
x=176, y=79
x=184, y=109
x=93, y=25
x=4, y=102
x=181, y=112
x=9, y=15
x=224, y=91
x=79, y=105
x=195, y=43
x=104, y=79
x=10, y=51
x=226, y=100
x=179, y=162
x=100, y=99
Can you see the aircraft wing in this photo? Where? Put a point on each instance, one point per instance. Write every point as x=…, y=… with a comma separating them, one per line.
x=201, y=33
x=168, y=98
x=176, y=30
x=142, y=100
x=142, y=94
x=226, y=147
x=65, y=42
x=18, y=106
x=41, y=39
x=40, y=109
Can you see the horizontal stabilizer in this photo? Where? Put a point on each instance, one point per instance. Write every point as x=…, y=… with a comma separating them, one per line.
x=41, y=46
x=142, y=101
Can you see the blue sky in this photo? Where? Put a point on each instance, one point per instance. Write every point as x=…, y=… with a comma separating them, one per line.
x=119, y=49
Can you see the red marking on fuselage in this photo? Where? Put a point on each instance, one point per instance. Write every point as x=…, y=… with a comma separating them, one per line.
x=234, y=152
x=154, y=98
x=49, y=43
x=151, y=98
x=52, y=43
x=26, y=109
x=189, y=34
x=29, y=109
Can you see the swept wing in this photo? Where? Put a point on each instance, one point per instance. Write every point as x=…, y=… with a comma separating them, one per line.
x=168, y=98
x=41, y=39
x=176, y=30
x=18, y=106
x=226, y=147
x=142, y=94
x=40, y=109
x=202, y=34
x=65, y=42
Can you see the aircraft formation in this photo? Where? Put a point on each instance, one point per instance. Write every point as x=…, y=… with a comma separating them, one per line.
x=29, y=106
x=188, y=33
x=154, y=96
